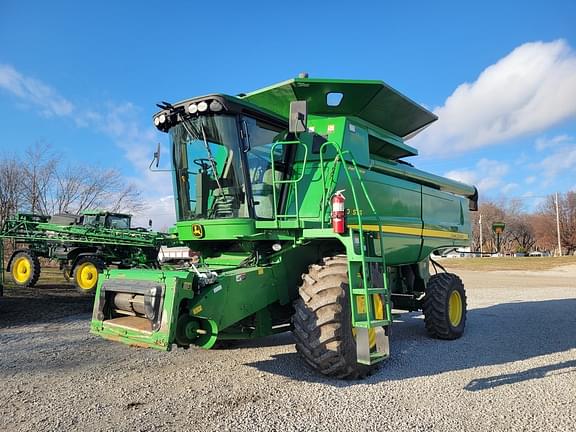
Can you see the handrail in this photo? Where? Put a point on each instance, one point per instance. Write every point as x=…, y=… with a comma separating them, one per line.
x=291, y=181
x=340, y=156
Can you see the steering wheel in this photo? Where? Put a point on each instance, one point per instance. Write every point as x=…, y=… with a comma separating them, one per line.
x=204, y=163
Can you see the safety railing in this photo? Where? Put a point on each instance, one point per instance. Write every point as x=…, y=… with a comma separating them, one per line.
x=293, y=182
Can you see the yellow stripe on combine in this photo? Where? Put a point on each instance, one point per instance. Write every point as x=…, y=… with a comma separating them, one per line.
x=414, y=231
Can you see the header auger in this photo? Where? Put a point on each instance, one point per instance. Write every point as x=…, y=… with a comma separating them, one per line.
x=306, y=218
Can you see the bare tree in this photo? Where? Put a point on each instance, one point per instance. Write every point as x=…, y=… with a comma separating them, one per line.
x=567, y=218
x=129, y=200
x=37, y=183
x=491, y=212
x=106, y=188
x=544, y=228
x=521, y=233
x=38, y=173
x=10, y=187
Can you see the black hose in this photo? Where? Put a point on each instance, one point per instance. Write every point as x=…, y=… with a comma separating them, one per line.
x=434, y=264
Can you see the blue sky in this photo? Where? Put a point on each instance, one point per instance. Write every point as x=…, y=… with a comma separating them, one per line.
x=84, y=77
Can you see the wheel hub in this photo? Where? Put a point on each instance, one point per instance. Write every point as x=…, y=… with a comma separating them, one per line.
x=455, y=308
x=21, y=270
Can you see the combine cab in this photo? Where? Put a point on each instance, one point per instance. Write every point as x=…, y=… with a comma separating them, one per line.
x=306, y=217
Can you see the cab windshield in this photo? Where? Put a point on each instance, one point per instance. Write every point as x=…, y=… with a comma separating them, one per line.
x=207, y=168
x=118, y=221
x=212, y=164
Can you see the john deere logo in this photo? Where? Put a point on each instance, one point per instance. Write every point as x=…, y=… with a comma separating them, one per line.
x=197, y=231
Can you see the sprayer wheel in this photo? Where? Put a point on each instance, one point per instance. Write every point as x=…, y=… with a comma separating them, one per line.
x=322, y=321
x=444, y=306
x=25, y=268
x=85, y=274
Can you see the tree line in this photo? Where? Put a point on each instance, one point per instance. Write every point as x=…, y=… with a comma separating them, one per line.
x=527, y=231
x=39, y=182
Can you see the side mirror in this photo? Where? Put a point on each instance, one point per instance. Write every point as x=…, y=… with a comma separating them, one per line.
x=473, y=201
x=298, y=116
x=156, y=157
x=245, y=136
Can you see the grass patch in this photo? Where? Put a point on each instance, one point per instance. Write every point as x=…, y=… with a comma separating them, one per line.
x=507, y=263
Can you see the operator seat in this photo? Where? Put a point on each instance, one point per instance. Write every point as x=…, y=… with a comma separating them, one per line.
x=263, y=194
x=226, y=203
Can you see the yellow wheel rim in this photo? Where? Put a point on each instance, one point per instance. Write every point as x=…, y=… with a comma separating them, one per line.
x=87, y=276
x=455, y=308
x=22, y=270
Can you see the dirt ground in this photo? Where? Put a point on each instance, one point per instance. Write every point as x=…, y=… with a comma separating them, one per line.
x=514, y=369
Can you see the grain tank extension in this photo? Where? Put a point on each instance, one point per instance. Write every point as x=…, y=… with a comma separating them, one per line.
x=307, y=218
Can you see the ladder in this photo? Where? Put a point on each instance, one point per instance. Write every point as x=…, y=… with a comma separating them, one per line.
x=368, y=283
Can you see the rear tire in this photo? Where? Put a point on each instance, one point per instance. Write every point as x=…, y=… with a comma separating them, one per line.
x=444, y=306
x=323, y=324
x=25, y=269
x=85, y=274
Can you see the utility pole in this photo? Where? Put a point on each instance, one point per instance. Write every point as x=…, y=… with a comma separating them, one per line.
x=480, y=223
x=558, y=226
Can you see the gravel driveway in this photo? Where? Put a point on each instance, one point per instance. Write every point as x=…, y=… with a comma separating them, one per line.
x=514, y=369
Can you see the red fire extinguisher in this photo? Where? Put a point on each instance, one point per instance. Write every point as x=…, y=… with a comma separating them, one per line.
x=338, y=212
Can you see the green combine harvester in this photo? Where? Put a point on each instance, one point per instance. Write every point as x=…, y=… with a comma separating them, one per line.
x=83, y=245
x=306, y=218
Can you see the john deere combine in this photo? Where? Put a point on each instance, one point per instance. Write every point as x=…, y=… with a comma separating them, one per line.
x=83, y=245
x=306, y=218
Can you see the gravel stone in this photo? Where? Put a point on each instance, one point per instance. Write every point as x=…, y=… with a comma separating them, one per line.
x=513, y=370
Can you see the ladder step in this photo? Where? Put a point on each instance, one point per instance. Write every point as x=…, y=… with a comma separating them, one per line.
x=373, y=260
x=362, y=291
x=368, y=259
x=365, y=353
x=375, y=358
x=375, y=323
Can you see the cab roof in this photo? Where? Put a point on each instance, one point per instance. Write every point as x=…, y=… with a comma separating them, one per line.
x=372, y=101
x=96, y=212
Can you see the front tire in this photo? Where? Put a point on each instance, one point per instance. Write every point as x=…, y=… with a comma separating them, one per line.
x=322, y=321
x=444, y=306
x=25, y=269
x=85, y=274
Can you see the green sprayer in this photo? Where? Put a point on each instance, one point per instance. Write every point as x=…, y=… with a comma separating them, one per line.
x=83, y=245
x=307, y=218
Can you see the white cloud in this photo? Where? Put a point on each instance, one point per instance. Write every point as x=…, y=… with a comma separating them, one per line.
x=508, y=188
x=488, y=176
x=33, y=92
x=560, y=160
x=121, y=122
x=527, y=91
x=563, y=161
x=160, y=210
x=464, y=176
x=543, y=143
